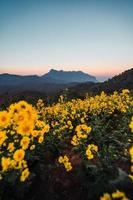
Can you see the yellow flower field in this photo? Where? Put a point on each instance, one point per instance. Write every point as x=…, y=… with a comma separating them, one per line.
x=90, y=138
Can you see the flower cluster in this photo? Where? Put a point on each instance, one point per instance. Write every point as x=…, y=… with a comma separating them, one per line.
x=115, y=195
x=82, y=132
x=20, y=131
x=131, y=155
x=91, y=149
x=65, y=116
x=131, y=151
x=96, y=126
x=65, y=161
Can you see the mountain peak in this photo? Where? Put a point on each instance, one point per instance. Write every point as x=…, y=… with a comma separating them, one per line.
x=69, y=76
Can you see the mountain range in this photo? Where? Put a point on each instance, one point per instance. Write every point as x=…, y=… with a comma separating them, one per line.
x=54, y=83
x=117, y=83
x=69, y=76
x=50, y=82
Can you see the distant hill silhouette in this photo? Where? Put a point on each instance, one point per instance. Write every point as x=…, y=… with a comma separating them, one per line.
x=69, y=76
x=49, y=83
x=51, y=86
x=119, y=82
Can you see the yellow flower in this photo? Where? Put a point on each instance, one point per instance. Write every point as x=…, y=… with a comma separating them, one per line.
x=25, y=128
x=40, y=124
x=69, y=123
x=21, y=165
x=19, y=155
x=119, y=194
x=35, y=133
x=68, y=166
x=41, y=139
x=4, y=119
x=131, y=153
x=40, y=104
x=83, y=127
x=81, y=135
x=22, y=105
x=21, y=110
x=82, y=131
x=25, y=142
x=115, y=195
x=75, y=140
x=90, y=149
x=125, y=91
x=89, y=154
x=11, y=147
x=13, y=163
x=131, y=177
x=20, y=117
x=24, y=163
x=46, y=128
x=93, y=147
x=13, y=109
x=105, y=196
x=132, y=168
x=131, y=125
x=65, y=161
x=6, y=162
x=2, y=137
x=25, y=174
x=60, y=159
x=32, y=147
x=32, y=114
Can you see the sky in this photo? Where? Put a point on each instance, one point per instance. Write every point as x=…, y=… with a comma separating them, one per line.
x=95, y=36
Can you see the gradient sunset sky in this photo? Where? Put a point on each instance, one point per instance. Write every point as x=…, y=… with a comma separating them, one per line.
x=95, y=36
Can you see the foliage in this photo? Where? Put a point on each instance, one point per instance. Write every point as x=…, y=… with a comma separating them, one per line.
x=86, y=144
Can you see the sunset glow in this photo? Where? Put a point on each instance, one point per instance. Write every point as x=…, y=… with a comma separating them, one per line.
x=91, y=36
